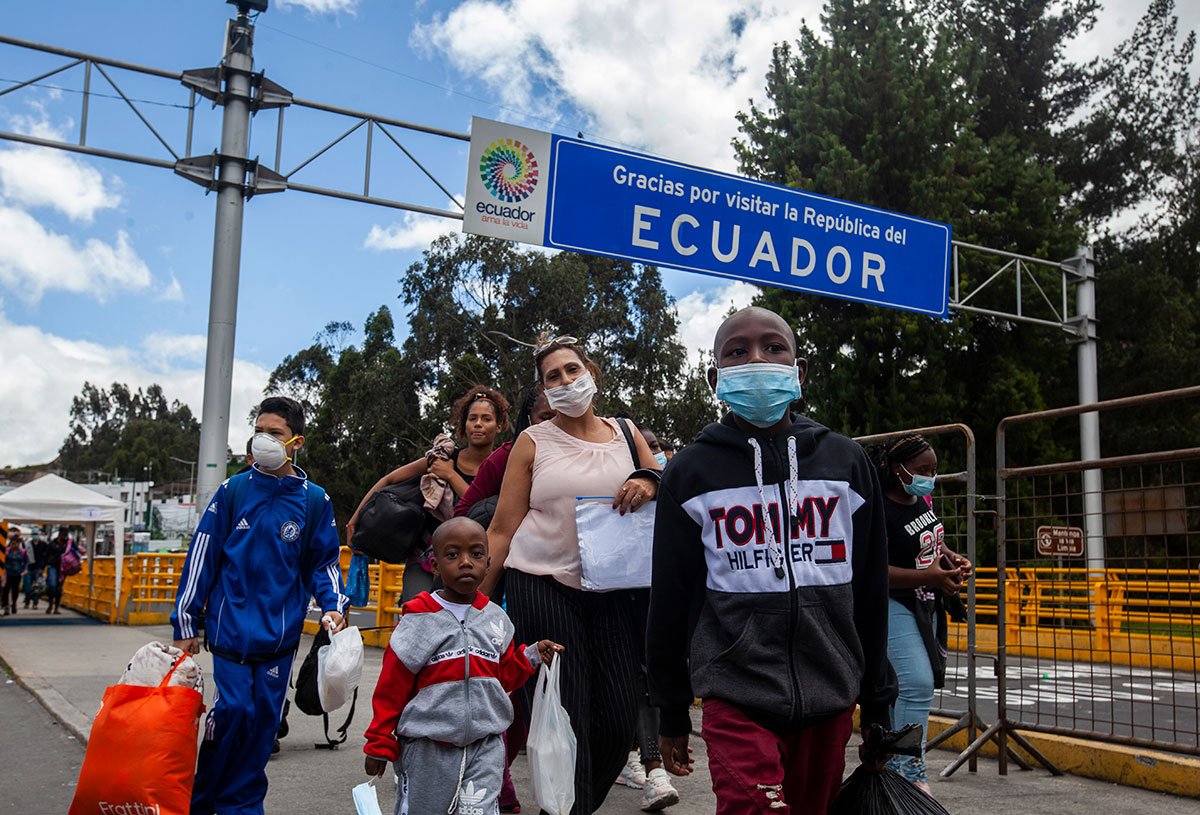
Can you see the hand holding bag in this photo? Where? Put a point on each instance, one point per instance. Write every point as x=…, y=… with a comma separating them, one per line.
x=339, y=668
x=551, y=745
x=142, y=750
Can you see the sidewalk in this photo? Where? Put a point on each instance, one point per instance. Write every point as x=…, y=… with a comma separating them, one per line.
x=67, y=663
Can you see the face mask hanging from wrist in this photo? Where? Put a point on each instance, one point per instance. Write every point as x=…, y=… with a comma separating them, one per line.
x=269, y=452
x=574, y=399
x=759, y=392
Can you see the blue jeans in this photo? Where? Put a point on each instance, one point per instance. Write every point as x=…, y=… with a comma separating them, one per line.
x=910, y=660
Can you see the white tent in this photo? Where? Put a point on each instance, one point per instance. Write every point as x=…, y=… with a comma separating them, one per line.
x=51, y=499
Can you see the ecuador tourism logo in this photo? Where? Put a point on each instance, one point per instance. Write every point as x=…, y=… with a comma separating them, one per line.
x=509, y=170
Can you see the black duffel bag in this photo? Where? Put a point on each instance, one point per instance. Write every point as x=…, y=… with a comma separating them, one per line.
x=393, y=523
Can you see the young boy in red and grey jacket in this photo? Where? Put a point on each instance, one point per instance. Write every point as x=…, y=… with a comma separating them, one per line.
x=769, y=591
x=441, y=703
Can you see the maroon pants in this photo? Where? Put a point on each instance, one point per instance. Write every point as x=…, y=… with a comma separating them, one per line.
x=756, y=771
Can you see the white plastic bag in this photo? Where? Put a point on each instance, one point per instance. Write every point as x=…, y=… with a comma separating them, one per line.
x=551, y=745
x=339, y=668
x=614, y=549
x=366, y=800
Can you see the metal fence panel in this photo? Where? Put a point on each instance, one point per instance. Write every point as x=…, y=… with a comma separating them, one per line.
x=1101, y=644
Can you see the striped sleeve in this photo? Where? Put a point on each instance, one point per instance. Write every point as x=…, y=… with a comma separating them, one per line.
x=324, y=573
x=200, y=567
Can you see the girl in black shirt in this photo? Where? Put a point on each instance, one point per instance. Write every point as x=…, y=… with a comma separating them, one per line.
x=922, y=576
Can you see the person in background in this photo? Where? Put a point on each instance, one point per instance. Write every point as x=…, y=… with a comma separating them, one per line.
x=54, y=579
x=33, y=582
x=266, y=544
x=668, y=448
x=534, y=541
x=477, y=417
x=656, y=447
x=923, y=576
x=16, y=559
x=534, y=409
x=768, y=524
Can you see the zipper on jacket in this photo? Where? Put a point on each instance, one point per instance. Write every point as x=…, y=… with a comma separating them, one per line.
x=785, y=532
x=466, y=678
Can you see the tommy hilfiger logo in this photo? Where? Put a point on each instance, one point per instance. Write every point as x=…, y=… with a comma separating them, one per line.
x=242, y=524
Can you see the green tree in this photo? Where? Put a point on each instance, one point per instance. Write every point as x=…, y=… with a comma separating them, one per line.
x=885, y=109
x=477, y=305
x=361, y=404
x=128, y=434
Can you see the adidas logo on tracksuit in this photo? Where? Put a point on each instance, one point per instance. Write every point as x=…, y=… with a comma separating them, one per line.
x=242, y=524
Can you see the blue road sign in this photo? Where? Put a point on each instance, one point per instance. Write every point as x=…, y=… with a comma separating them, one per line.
x=570, y=194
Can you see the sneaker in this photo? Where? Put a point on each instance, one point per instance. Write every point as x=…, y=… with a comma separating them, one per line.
x=633, y=774
x=658, y=792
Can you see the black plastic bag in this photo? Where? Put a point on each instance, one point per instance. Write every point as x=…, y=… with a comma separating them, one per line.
x=873, y=789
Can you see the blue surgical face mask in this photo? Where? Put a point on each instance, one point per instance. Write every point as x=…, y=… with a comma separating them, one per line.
x=759, y=392
x=661, y=458
x=921, y=486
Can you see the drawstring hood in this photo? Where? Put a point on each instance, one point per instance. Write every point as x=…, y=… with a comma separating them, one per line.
x=774, y=547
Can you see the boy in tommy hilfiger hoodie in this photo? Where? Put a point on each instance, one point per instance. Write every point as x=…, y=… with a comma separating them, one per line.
x=441, y=703
x=776, y=618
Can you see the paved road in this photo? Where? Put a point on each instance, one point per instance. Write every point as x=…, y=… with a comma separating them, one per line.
x=70, y=662
x=39, y=759
x=1155, y=704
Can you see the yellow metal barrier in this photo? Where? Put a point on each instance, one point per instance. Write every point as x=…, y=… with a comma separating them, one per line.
x=1136, y=617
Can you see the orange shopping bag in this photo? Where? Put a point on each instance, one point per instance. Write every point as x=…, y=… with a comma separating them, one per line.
x=141, y=756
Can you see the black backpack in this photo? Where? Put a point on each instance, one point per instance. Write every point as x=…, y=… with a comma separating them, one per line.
x=393, y=524
x=308, y=698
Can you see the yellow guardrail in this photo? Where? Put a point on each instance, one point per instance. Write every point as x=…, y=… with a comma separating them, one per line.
x=1140, y=617
x=1136, y=617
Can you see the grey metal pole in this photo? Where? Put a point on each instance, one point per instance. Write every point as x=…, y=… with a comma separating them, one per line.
x=1089, y=423
x=227, y=254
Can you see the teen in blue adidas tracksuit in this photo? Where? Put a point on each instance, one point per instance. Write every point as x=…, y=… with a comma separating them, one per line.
x=266, y=543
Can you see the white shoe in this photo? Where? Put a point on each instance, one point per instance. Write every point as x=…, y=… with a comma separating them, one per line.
x=658, y=792
x=633, y=774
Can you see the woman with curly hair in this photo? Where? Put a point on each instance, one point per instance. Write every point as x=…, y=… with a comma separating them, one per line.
x=476, y=417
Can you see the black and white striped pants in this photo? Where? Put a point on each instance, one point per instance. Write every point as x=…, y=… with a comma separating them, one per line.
x=599, y=668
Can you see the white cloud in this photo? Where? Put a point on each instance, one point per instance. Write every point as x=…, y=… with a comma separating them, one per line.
x=413, y=231
x=321, y=6
x=34, y=259
x=663, y=77
x=160, y=349
x=42, y=177
x=701, y=313
x=44, y=371
x=172, y=292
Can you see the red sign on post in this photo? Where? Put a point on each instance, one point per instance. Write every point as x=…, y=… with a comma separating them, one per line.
x=1063, y=541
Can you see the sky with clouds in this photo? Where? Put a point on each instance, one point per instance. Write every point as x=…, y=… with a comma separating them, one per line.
x=105, y=266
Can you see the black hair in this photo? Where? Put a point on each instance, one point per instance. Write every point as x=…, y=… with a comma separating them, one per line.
x=462, y=406
x=896, y=451
x=525, y=411
x=286, y=408
x=666, y=444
